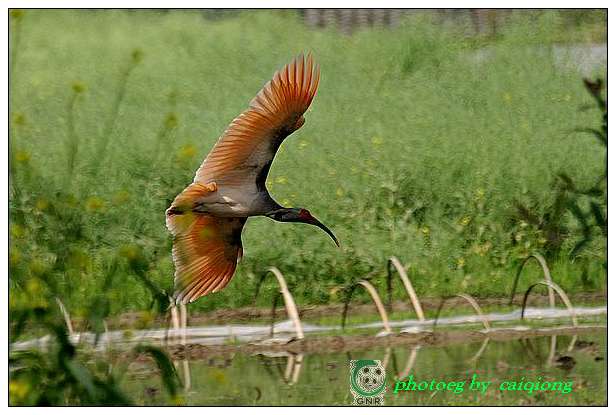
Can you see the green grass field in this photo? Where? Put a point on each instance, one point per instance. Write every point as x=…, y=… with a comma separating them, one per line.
x=413, y=147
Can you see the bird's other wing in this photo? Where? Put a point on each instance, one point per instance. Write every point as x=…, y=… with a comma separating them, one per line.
x=246, y=149
x=206, y=250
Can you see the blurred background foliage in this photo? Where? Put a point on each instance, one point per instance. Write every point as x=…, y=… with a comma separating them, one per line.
x=458, y=151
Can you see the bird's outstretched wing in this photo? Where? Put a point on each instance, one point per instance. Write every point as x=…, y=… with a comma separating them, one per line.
x=246, y=149
x=206, y=250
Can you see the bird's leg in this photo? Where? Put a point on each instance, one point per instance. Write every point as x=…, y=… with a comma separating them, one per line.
x=175, y=322
x=183, y=322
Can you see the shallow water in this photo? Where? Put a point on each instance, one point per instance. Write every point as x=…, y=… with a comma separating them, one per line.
x=323, y=378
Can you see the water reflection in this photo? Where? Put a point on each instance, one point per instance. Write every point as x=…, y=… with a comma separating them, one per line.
x=284, y=378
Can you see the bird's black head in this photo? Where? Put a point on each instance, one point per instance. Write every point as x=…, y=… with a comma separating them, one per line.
x=299, y=215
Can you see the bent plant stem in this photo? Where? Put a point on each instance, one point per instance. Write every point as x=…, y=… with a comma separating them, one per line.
x=563, y=296
x=375, y=298
x=546, y=275
x=393, y=261
x=289, y=302
x=67, y=317
x=472, y=302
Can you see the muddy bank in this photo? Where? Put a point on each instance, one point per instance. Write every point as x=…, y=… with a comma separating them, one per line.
x=338, y=344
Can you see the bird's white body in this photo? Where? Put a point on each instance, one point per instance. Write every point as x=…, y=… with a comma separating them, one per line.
x=236, y=201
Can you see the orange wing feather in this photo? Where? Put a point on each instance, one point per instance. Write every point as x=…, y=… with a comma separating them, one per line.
x=252, y=138
x=206, y=250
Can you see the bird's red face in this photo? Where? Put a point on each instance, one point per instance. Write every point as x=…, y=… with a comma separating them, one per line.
x=305, y=215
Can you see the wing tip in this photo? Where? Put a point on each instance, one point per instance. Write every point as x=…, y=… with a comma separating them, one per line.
x=292, y=87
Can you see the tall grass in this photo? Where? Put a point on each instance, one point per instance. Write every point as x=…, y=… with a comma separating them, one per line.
x=419, y=144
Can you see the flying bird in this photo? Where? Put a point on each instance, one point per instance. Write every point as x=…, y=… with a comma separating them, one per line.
x=206, y=219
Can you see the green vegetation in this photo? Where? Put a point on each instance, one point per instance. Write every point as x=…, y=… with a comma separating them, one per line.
x=65, y=373
x=421, y=143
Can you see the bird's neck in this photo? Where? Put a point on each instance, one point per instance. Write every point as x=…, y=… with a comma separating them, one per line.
x=267, y=204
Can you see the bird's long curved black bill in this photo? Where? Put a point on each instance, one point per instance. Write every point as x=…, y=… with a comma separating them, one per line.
x=316, y=222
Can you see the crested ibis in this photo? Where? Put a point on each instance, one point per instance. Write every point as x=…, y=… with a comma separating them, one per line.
x=206, y=219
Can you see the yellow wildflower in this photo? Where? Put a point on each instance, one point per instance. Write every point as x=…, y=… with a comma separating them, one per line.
x=460, y=262
x=17, y=230
x=219, y=376
x=16, y=14
x=121, y=197
x=18, y=389
x=15, y=257
x=22, y=156
x=19, y=118
x=94, y=204
x=37, y=267
x=187, y=152
x=33, y=286
x=42, y=204
x=129, y=251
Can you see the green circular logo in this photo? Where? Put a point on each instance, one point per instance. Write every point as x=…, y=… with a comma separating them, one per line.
x=367, y=377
